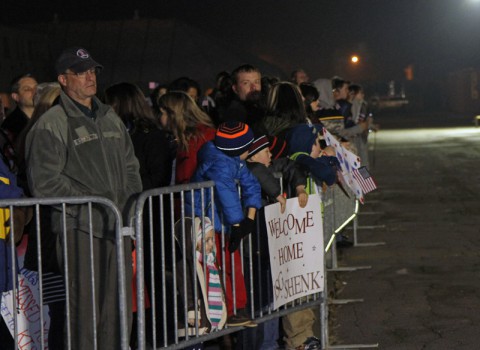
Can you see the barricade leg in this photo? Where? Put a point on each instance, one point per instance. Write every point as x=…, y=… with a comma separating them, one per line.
x=357, y=227
x=104, y=331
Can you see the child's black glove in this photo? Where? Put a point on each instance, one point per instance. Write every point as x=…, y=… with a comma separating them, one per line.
x=239, y=232
x=247, y=226
x=235, y=238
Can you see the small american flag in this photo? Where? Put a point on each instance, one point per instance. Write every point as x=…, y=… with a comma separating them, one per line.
x=364, y=179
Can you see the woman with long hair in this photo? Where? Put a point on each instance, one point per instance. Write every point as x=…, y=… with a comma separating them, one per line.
x=156, y=154
x=44, y=98
x=191, y=128
x=149, y=140
x=285, y=109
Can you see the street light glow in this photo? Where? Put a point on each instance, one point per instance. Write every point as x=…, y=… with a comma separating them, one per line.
x=354, y=59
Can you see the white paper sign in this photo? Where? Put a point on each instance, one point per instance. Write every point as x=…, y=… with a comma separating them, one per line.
x=28, y=315
x=348, y=161
x=295, y=241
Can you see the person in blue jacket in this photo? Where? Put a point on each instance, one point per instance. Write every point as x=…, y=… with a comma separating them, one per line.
x=223, y=161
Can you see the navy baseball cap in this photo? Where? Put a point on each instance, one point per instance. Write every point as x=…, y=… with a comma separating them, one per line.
x=77, y=59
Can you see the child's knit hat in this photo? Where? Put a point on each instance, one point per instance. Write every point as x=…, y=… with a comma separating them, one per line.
x=233, y=138
x=257, y=145
x=207, y=226
x=301, y=138
x=278, y=147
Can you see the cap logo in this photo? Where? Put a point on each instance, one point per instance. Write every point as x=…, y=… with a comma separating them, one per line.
x=82, y=54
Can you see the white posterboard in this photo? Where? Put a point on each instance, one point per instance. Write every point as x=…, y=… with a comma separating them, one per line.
x=28, y=312
x=295, y=241
x=348, y=162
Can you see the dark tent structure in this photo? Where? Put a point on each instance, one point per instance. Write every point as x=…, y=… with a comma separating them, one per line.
x=143, y=51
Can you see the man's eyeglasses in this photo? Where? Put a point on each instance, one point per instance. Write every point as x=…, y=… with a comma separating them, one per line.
x=92, y=71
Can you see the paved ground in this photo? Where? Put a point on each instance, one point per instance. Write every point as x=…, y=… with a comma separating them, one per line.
x=423, y=290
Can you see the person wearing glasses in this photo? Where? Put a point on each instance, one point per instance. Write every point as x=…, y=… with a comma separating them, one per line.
x=23, y=88
x=80, y=147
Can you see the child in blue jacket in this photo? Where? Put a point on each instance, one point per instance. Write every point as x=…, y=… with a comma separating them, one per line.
x=223, y=161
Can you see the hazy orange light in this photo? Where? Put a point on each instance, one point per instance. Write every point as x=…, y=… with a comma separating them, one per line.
x=354, y=59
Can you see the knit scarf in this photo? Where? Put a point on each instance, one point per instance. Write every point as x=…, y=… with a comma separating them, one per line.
x=214, y=291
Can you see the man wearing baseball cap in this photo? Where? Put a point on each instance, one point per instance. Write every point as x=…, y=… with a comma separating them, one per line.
x=80, y=147
x=77, y=74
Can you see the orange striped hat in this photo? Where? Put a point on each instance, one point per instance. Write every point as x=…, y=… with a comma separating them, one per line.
x=233, y=138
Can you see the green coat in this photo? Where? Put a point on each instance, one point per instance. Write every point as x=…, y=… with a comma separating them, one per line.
x=70, y=154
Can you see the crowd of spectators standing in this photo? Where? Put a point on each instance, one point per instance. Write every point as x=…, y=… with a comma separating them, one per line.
x=61, y=140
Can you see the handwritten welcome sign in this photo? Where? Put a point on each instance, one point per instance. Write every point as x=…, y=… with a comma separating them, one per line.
x=295, y=242
x=29, y=336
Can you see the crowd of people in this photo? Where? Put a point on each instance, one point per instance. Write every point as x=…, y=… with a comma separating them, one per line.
x=61, y=140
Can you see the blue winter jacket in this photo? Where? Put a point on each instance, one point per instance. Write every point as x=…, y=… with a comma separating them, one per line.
x=214, y=165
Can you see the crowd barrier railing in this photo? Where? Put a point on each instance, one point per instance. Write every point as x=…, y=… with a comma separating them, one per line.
x=160, y=211
x=154, y=221
x=24, y=311
x=340, y=209
x=160, y=227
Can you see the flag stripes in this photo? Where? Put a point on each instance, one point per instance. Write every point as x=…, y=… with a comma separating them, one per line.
x=364, y=179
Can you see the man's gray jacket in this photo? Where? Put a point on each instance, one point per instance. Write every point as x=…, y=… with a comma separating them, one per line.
x=70, y=154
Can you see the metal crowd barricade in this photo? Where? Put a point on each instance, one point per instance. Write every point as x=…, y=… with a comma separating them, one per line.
x=160, y=323
x=339, y=210
x=63, y=207
x=161, y=216
x=155, y=215
x=342, y=210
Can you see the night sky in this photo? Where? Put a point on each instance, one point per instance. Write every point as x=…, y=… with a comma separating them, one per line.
x=436, y=36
